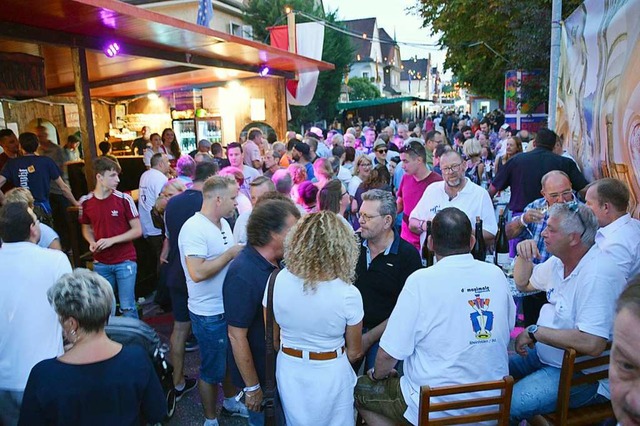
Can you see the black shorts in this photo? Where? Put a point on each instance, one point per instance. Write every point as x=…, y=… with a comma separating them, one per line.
x=179, y=296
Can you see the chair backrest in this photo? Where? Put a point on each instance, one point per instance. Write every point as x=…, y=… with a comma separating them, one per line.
x=569, y=377
x=498, y=406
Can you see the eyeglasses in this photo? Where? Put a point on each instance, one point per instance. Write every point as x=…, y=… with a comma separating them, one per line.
x=365, y=217
x=381, y=151
x=565, y=195
x=575, y=208
x=451, y=169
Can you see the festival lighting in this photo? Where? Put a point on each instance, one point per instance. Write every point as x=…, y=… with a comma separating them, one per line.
x=112, y=50
x=264, y=71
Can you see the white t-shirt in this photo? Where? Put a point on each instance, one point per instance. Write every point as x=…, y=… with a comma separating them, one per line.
x=244, y=203
x=354, y=185
x=585, y=300
x=473, y=200
x=199, y=237
x=450, y=325
x=621, y=241
x=151, y=183
x=314, y=321
x=345, y=176
x=240, y=228
x=47, y=236
x=29, y=327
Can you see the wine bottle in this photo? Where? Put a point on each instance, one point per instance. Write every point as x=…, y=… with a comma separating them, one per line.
x=427, y=254
x=479, y=251
x=501, y=257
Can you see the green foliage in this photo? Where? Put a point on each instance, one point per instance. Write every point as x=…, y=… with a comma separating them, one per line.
x=519, y=30
x=337, y=50
x=362, y=89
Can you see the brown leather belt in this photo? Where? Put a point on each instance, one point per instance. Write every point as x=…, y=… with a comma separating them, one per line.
x=316, y=356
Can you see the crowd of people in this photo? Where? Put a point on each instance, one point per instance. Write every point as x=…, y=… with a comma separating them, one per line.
x=339, y=221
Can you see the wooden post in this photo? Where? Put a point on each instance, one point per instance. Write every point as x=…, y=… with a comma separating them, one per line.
x=81, y=81
x=291, y=30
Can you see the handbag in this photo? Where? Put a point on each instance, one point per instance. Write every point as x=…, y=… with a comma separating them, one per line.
x=270, y=358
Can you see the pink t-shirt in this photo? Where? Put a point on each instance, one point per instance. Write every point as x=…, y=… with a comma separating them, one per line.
x=411, y=191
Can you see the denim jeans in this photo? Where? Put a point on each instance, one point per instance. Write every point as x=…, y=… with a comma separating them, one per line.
x=10, y=402
x=211, y=332
x=536, y=388
x=122, y=275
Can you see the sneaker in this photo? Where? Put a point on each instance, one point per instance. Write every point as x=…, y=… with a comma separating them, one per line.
x=191, y=344
x=232, y=407
x=189, y=385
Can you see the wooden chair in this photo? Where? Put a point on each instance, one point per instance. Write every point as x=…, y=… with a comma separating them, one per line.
x=502, y=401
x=604, y=166
x=592, y=414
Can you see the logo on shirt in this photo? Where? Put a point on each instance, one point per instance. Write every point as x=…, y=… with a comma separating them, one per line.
x=481, y=318
x=31, y=169
x=114, y=213
x=435, y=209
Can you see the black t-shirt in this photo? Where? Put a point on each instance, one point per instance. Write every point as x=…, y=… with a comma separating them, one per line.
x=524, y=172
x=179, y=209
x=242, y=293
x=380, y=285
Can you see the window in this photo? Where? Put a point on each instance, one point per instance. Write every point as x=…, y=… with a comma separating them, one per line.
x=238, y=30
x=365, y=75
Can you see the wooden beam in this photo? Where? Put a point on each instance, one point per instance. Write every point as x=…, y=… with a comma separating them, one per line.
x=124, y=79
x=81, y=78
x=129, y=47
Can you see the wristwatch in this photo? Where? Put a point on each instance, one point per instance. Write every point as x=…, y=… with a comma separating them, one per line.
x=532, y=331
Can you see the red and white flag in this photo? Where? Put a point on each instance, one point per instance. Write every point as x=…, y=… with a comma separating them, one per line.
x=309, y=42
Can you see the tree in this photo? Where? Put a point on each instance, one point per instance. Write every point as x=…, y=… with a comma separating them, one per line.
x=519, y=31
x=337, y=50
x=362, y=89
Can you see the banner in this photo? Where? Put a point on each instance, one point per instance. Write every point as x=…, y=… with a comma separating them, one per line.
x=309, y=42
x=598, y=110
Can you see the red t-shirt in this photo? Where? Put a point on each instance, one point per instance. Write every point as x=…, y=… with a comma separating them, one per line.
x=411, y=191
x=108, y=218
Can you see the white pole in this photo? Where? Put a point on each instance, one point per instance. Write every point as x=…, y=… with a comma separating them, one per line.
x=556, y=16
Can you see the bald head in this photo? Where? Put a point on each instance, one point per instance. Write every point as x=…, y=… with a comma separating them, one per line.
x=556, y=187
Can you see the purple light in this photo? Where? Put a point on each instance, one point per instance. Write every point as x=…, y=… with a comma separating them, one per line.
x=264, y=71
x=112, y=50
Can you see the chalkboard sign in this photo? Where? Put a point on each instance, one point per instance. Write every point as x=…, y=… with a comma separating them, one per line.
x=22, y=75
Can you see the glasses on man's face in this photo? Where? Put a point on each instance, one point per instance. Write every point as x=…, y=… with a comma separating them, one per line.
x=566, y=196
x=451, y=169
x=381, y=151
x=363, y=217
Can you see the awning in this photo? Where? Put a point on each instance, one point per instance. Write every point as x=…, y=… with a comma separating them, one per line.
x=378, y=102
x=178, y=54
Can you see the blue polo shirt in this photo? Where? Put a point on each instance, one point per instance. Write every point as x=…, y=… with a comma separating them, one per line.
x=35, y=173
x=242, y=293
x=179, y=209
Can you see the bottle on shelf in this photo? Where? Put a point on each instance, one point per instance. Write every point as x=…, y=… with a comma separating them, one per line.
x=479, y=250
x=428, y=257
x=501, y=257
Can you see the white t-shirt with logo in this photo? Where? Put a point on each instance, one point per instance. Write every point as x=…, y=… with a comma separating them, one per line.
x=151, y=183
x=585, y=300
x=451, y=325
x=199, y=237
x=473, y=200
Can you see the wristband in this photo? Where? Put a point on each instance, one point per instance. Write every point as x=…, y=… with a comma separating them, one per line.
x=522, y=220
x=251, y=388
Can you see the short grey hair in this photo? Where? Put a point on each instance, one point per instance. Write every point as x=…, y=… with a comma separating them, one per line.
x=388, y=204
x=547, y=175
x=279, y=148
x=337, y=139
x=576, y=218
x=409, y=140
x=403, y=126
x=85, y=296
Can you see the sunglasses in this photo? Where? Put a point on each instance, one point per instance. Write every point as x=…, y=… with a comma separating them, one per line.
x=381, y=151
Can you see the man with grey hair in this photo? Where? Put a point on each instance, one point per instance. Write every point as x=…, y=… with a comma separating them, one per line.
x=624, y=369
x=403, y=131
x=581, y=284
x=385, y=262
x=29, y=327
x=337, y=140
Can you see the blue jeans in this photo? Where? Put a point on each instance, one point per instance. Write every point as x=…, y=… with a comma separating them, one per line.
x=122, y=275
x=211, y=332
x=536, y=388
x=10, y=402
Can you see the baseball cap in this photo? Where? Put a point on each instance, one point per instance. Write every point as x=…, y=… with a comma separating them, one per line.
x=378, y=144
x=317, y=131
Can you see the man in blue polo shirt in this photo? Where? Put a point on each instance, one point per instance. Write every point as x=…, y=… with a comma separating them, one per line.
x=242, y=293
x=523, y=173
x=385, y=262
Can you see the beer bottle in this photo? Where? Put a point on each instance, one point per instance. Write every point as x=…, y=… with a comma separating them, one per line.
x=479, y=251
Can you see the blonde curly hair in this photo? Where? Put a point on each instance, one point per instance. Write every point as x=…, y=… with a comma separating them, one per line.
x=321, y=247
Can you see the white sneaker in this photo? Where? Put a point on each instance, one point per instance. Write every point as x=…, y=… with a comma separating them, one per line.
x=235, y=408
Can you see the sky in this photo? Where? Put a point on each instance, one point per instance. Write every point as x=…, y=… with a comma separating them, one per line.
x=407, y=27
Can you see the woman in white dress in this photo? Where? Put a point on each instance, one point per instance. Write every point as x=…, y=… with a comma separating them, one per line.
x=318, y=315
